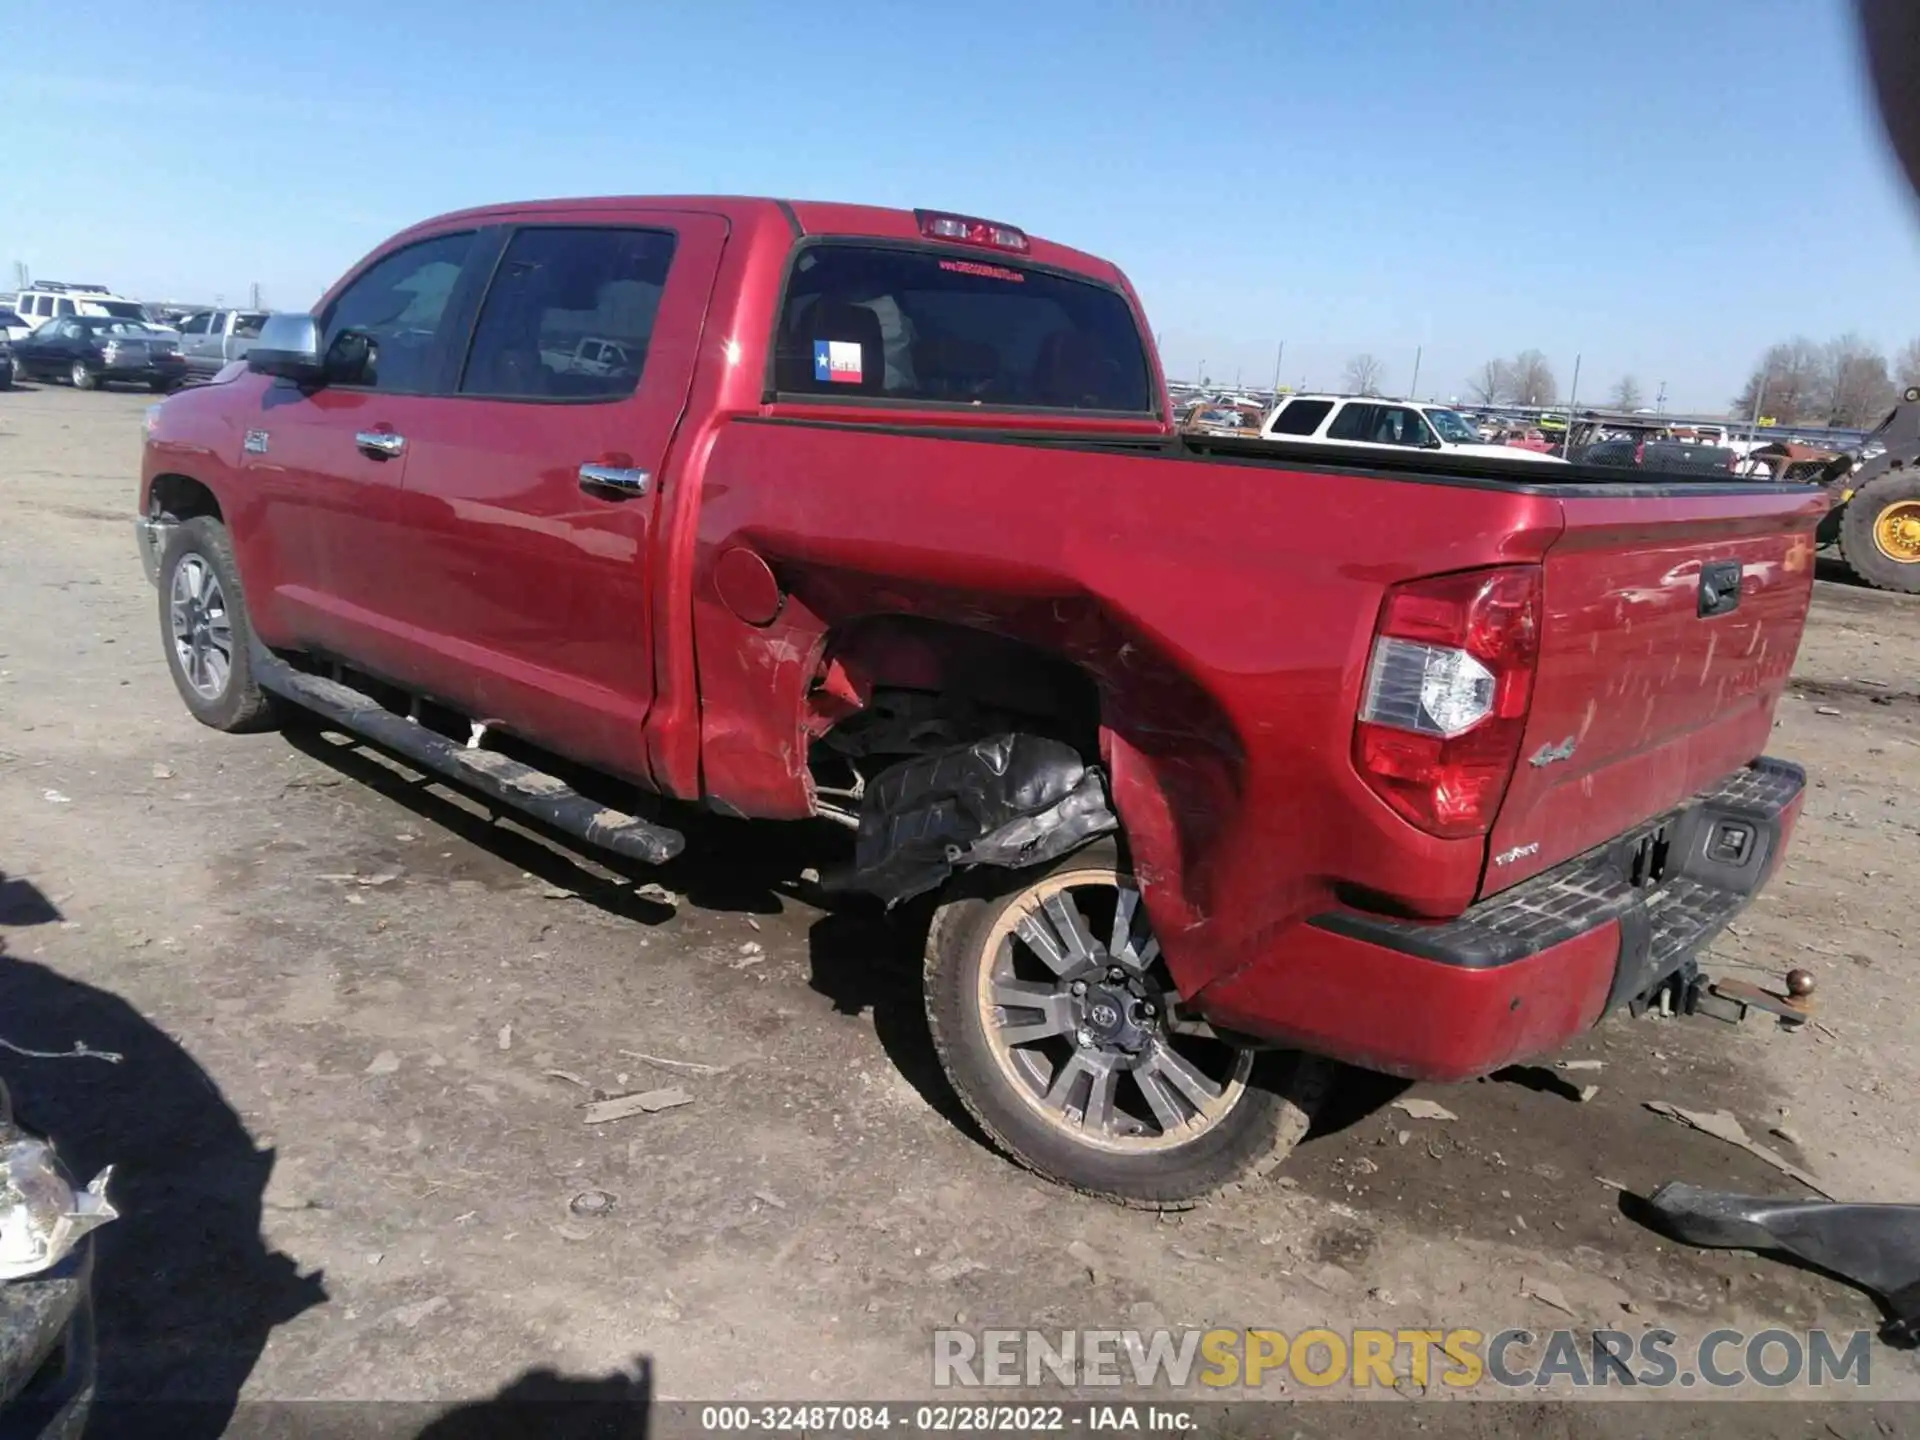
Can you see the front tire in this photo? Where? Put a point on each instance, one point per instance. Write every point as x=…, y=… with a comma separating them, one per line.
x=82, y=377
x=205, y=629
x=1880, y=532
x=1059, y=1027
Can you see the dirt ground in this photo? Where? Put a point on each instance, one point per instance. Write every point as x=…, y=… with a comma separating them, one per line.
x=358, y=1021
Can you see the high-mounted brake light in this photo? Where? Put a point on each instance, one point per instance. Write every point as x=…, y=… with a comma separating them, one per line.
x=967, y=230
x=1446, y=696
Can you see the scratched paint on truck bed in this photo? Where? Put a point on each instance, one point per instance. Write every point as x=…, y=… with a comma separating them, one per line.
x=1639, y=700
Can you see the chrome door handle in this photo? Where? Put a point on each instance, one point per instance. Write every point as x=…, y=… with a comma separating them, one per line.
x=381, y=442
x=615, y=477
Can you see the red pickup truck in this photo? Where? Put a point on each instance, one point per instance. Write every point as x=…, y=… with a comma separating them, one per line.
x=1208, y=756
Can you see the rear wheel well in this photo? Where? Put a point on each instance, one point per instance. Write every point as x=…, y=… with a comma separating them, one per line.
x=894, y=687
x=181, y=497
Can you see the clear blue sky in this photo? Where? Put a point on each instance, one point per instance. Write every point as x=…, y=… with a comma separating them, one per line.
x=1663, y=186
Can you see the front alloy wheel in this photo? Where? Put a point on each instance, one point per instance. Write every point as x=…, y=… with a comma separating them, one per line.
x=202, y=629
x=205, y=629
x=1066, y=1037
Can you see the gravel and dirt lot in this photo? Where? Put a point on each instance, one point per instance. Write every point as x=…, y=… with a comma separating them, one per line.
x=357, y=1021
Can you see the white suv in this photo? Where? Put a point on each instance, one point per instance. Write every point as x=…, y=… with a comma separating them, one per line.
x=51, y=299
x=1374, y=424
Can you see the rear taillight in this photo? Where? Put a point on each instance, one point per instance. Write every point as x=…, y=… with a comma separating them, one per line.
x=1446, y=695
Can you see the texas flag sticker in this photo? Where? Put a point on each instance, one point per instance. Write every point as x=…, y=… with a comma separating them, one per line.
x=837, y=360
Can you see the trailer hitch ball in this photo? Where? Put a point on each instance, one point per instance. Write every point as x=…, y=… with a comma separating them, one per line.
x=1800, y=983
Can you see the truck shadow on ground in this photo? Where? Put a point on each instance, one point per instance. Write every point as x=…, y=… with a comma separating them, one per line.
x=744, y=867
x=546, y=1405
x=186, y=1290
x=863, y=958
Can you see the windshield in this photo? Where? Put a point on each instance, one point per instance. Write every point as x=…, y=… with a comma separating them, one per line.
x=1454, y=427
x=119, y=309
x=120, y=327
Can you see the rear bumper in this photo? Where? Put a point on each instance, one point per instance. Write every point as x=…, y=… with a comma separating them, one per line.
x=144, y=370
x=1522, y=972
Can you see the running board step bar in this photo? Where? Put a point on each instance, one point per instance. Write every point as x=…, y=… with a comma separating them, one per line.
x=543, y=796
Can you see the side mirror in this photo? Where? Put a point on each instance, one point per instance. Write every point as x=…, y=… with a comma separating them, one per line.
x=289, y=346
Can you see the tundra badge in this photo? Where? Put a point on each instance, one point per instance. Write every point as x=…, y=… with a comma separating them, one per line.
x=256, y=442
x=1518, y=852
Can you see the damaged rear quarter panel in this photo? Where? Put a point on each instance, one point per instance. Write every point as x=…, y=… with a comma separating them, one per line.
x=1224, y=611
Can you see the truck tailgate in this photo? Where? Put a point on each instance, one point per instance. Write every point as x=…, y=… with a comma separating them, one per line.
x=1645, y=694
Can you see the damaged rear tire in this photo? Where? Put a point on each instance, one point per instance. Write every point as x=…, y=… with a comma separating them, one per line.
x=1059, y=1026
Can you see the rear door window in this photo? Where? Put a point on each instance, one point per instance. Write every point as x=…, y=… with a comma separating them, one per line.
x=1300, y=417
x=247, y=326
x=1354, y=422
x=196, y=324
x=890, y=323
x=569, y=314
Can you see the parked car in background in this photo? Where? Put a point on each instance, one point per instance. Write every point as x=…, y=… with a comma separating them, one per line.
x=1528, y=441
x=210, y=340
x=89, y=351
x=13, y=325
x=6, y=364
x=1380, y=425
x=1668, y=456
x=53, y=300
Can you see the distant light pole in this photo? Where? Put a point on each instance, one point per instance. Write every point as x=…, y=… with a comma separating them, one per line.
x=1413, y=390
x=1660, y=400
x=1278, y=356
x=1572, y=396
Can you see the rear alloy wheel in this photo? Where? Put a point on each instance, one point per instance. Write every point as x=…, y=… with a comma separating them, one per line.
x=82, y=377
x=1061, y=1028
x=1880, y=532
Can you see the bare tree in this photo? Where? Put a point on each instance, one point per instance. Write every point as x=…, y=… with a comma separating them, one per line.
x=1626, y=395
x=1789, y=384
x=1906, y=365
x=1859, y=389
x=1532, y=381
x=1491, y=383
x=1363, y=375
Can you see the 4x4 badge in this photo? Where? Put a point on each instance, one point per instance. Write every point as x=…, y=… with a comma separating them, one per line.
x=1547, y=754
x=256, y=442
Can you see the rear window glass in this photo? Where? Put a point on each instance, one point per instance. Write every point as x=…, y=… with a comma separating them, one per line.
x=866, y=320
x=1300, y=417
